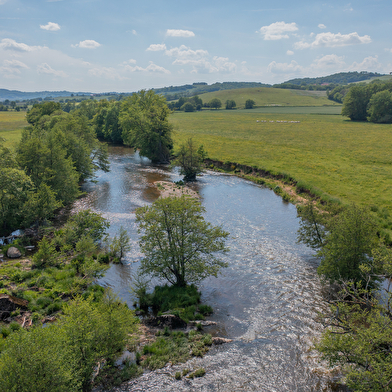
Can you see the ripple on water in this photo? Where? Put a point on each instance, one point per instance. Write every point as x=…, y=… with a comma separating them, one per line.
x=266, y=300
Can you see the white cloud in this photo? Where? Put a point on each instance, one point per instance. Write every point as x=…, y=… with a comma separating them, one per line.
x=388, y=50
x=186, y=53
x=349, y=7
x=88, y=44
x=289, y=53
x=10, y=44
x=156, y=47
x=14, y=64
x=287, y=68
x=322, y=26
x=368, y=64
x=106, y=72
x=330, y=60
x=277, y=30
x=50, y=26
x=12, y=67
x=45, y=68
x=134, y=32
x=179, y=33
x=332, y=40
x=150, y=68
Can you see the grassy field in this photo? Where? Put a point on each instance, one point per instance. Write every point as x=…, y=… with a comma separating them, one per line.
x=348, y=160
x=265, y=96
x=11, y=125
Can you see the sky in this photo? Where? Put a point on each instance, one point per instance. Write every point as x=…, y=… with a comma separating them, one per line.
x=124, y=46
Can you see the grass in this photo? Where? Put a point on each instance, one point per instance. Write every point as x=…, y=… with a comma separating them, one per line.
x=264, y=96
x=11, y=125
x=345, y=159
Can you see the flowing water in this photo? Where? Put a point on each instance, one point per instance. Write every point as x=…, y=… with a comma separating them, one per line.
x=266, y=300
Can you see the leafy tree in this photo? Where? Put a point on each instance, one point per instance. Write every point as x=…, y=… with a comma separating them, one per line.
x=380, y=107
x=187, y=107
x=41, y=109
x=355, y=103
x=230, y=104
x=190, y=159
x=178, y=244
x=145, y=124
x=215, y=103
x=250, y=104
x=348, y=245
x=46, y=254
x=37, y=361
x=119, y=246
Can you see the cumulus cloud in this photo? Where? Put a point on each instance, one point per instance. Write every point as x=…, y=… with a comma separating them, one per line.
x=277, y=30
x=45, y=68
x=12, y=67
x=332, y=40
x=368, y=64
x=330, y=60
x=186, y=53
x=156, y=47
x=50, y=26
x=134, y=32
x=289, y=53
x=287, y=68
x=179, y=33
x=87, y=44
x=10, y=44
x=322, y=26
x=150, y=68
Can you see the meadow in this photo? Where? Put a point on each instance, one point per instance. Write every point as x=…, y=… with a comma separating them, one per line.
x=265, y=96
x=348, y=160
x=11, y=125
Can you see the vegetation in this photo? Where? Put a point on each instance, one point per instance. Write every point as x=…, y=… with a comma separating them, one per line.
x=190, y=158
x=230, y=104
x=145, y=125
x=250, y=104
x=178, y=244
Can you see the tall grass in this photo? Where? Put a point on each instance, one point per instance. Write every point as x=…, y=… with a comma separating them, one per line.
x=11, y=125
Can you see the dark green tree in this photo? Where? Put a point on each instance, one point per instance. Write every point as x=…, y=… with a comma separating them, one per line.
x=250, y=104
x=230, y=104
x=190, y=158
x=355, y=103
x=215, y=103
x=178, y=244
x=380, y=107
x=145, y=125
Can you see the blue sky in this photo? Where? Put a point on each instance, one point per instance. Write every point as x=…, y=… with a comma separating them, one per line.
x=102, y=46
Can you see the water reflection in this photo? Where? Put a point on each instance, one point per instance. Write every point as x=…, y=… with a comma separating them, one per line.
x=266, y=300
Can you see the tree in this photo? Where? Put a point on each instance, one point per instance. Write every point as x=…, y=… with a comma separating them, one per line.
x=215, y=103
x=349, y=243
x=380, y=107
x=230, y=104
x=190, y=159
x=178, y=244
x=250, y=104
x=119, y=246
x=188, y=107
x=145, y=125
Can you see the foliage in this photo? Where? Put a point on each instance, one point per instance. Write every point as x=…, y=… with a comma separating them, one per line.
x=178, y=244
x=145, y=125
x=348, y=245
x=380, y=107
x=250, y=104
x=46, y=254
x=215, y=103
x=63, y=356
x=119, y=246
x=190, y=158
x=230, y=104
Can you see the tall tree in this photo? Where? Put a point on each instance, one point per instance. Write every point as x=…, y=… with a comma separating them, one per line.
x=178, y=244
x=145, y=124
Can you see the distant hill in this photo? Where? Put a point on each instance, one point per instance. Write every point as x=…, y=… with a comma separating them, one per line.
x=14, y=95
x=338, y=78
x=189, y=90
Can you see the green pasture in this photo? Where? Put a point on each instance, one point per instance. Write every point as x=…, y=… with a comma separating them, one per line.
x=265, y=96
x=11, y=125
x=348, y=160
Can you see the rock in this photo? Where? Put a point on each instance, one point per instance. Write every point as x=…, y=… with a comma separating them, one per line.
x=217, y=340
x=166, y=320
x=13, y=253
x=126, y=356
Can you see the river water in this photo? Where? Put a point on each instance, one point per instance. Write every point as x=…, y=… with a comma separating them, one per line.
x=266, y=300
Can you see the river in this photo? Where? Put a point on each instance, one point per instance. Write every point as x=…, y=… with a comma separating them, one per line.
x=266, y=300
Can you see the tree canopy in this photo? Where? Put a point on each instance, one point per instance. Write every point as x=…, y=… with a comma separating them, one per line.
x=145, y=126
x=178, y=244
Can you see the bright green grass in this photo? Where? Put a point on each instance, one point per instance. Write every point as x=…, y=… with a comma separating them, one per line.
x=264, y=96
x=11, y=125
x=348, y=160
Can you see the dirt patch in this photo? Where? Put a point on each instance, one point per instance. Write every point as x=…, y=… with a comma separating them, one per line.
x=170, y=189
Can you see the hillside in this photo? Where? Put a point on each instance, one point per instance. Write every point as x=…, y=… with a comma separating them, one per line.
x=264, y=96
